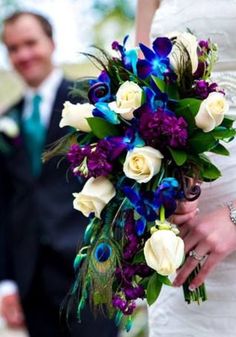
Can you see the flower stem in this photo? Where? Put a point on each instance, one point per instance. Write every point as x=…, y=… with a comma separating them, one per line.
x=197, y=295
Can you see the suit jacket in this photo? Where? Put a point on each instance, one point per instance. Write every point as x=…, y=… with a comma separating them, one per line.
x=38, y=212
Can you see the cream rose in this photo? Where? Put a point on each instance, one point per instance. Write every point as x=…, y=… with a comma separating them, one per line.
x=211, y=112
x=164, y=252
x=189, y=41
x=75, y=115
x=9, y=127
x=142, y=163
x=128, y=98
x=95, y=195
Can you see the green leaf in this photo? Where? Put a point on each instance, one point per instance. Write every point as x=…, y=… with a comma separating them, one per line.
x=179, y=156
x=201, y=142
x=164, y=280
x=159, y=83
x=170, y=89
x=188, y=108
x=101, y=128
x=191, y=104
x=139, y=257
x=223, y=133
x=227, y=122
x=211, y=172
x=153, y=288
x=220, y=149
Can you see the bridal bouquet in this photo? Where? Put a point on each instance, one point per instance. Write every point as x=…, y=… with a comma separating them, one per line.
x=138, y=147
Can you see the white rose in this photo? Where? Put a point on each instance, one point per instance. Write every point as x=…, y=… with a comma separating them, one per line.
x=95, y=195
x=164, y=252
x=128, y=99
x=9, y=127
x=211, y=112
x=142, y=163
x=75, y=115
x=189, y=41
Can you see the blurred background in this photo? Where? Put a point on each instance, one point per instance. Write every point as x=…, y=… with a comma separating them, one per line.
x=78, y=24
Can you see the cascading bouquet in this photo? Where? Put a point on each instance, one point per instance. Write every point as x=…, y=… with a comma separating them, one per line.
x=139, y=147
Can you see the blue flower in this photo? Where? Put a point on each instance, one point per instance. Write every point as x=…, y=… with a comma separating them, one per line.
x=167, y=194
x=156, y=61
x=129, y=57
x=102, y=110
x=145, y=204
x=100, y=90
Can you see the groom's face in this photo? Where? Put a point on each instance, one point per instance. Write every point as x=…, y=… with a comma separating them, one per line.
x=30, y=49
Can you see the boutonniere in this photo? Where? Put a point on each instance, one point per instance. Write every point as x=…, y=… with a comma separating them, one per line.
x=9, y=133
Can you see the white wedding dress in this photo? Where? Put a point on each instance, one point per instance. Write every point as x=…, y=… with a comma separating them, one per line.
x=170, y=316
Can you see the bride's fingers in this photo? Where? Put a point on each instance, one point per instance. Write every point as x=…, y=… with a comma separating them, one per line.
x=180, y=219
x=190, y=264
x=191, y=240
x=211, y=261
x=186, y=206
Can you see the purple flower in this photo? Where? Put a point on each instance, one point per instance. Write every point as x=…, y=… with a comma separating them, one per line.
x=204, y=44
x=132, y=293
x=161, y=128
x=91, y=161
x=203, y=88
x=126, y=307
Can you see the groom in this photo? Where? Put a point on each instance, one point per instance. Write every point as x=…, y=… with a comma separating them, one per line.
x=41, y=229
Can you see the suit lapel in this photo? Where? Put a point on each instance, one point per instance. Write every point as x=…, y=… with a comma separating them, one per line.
x=54, y=131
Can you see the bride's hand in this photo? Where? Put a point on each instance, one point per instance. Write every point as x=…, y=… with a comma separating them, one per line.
x=185, y=212
x=213, y=236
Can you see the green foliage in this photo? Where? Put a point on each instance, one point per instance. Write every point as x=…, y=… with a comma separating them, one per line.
x=188, y=108
x=208, y=171
x=201, y=142
x=179, y=156
x=221, y=150
x=101, y=128
x=153, y=288
x=170, y=89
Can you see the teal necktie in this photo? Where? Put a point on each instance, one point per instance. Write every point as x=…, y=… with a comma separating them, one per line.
x=34, y=133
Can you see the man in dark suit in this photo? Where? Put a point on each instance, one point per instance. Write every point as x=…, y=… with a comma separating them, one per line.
x=41, y=228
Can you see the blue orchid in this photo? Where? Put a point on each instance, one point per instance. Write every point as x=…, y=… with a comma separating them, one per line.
x=156, y=61
x=102, y=110
x=166, y=195
x=129, y=57
x=129, y=141
x=145, y=204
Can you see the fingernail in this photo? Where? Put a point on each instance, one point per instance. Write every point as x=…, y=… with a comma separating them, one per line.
x=191, y=287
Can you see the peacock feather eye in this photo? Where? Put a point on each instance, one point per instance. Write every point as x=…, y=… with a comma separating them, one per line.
x=102, y=252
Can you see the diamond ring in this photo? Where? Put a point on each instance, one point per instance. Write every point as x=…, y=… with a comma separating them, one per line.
x=196, y=256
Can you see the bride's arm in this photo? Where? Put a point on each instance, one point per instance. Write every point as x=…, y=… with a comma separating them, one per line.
x=144, y=14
